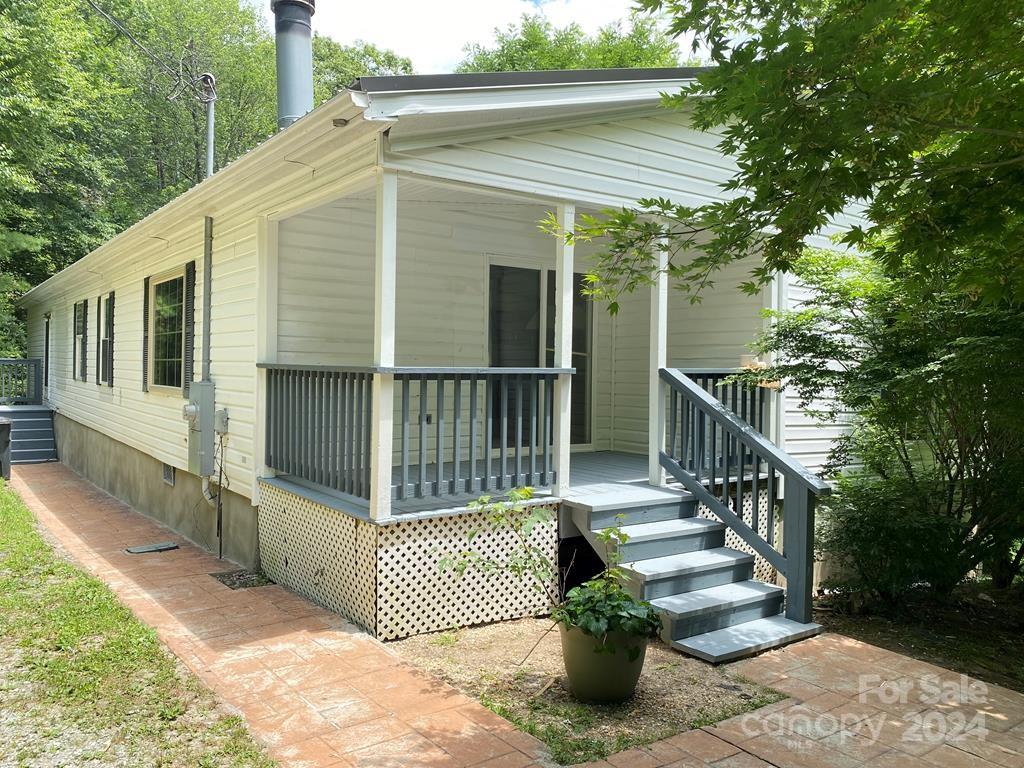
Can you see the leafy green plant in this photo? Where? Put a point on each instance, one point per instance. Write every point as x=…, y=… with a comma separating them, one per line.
x=597, y=607
x=604, y=604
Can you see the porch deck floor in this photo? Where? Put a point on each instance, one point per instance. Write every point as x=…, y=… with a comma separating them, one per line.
x=595, y=477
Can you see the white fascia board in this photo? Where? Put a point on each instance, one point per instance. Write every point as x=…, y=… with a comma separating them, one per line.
x=392, y=105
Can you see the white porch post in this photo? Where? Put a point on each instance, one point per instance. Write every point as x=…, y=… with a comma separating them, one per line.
x=658, y=360
x=564, y=256
x=385, y=266
x=266, y=340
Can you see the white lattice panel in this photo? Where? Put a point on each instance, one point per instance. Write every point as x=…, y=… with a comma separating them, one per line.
x=415, y=596
x=324, y=555
x=763, y=570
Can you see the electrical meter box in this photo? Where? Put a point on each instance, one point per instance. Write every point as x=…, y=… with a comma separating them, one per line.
x=199, y=413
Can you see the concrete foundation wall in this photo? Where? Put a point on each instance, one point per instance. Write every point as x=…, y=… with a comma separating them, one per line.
x=137, y=479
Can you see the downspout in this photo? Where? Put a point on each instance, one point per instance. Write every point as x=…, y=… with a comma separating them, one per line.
x=211, y=498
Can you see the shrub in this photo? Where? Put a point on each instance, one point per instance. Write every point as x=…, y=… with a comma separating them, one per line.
x=882, y=538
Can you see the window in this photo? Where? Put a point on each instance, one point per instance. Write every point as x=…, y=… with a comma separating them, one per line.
x=106, y=344
x=78, y=345
x=167, y=339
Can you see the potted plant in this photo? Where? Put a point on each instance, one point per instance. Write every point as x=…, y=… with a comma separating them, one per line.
x=604, y=629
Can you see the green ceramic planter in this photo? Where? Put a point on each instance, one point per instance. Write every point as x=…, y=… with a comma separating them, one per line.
x=597, y=675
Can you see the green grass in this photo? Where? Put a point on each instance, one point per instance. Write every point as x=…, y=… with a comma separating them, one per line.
x=573, y=730
x=82, y=659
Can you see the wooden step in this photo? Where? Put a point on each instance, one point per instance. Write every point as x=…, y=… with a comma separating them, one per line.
x=705, y=610
x=745, y=639
x=689, y=571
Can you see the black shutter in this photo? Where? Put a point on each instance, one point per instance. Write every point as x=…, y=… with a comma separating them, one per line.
x=190, y=327
x=145, y=335
x=74, y=341
x=110, y=340
x=84, y=352
x=99, y=339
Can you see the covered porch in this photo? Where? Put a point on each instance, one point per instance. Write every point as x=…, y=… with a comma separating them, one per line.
x=426, y=343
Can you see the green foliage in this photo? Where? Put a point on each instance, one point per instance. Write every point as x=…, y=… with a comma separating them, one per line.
x=96, y=133
x=597, y=607
x=90, y=662
x=536, y=44
x=880, y=538
x=935, y=379
x=335, y=66
x=527, y=560
x=912, y=108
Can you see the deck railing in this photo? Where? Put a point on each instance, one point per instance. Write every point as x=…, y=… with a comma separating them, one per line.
x=715, y=454
x=21, y=381
x=456, y=431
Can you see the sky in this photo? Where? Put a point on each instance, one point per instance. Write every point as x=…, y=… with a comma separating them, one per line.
x=433, y=33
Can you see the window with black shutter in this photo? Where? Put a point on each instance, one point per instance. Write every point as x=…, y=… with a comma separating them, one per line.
x=105, y=346
x=80, y=344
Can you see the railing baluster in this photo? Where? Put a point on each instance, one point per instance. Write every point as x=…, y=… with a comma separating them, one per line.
x=349, y=465
x=457, y=434
x=673, y=409
x=544, y=433
x=403, y=488
x=360, y=427
x=368, y=400
x=534, y=383
x=421, y=486
x=519, y=430
x=472, y=433
x=488, y=431
x=439, y=440
x=503, y=448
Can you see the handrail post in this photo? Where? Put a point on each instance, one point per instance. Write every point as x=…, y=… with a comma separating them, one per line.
x=37, y=381
x=658, y=360
x=798, y=549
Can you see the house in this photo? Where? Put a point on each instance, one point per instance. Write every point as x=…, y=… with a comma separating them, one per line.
x=316, y=357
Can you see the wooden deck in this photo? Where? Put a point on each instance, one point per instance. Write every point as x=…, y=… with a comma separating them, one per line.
x=597, y=479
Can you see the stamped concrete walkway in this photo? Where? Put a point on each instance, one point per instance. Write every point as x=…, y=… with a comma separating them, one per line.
x=320, y=693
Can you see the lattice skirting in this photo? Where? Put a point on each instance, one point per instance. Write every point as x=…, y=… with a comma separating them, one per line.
x=387, y=578
x=763, y=570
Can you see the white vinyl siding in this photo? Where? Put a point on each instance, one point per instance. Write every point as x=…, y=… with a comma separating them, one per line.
x=151, y=421
x=803, y=436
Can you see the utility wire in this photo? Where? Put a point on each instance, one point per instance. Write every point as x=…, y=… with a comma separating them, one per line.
x=202, y=86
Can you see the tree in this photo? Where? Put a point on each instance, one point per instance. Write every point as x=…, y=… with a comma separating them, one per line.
x=931, y=474
x=335, y=66
x=912, y=108
x=537, y=44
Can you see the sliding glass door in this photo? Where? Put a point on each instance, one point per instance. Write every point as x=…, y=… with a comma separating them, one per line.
x=522, y=331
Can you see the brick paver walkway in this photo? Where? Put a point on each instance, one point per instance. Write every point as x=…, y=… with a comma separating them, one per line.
x=319, y=692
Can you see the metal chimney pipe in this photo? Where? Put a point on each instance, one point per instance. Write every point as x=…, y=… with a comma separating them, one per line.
x=294, y=43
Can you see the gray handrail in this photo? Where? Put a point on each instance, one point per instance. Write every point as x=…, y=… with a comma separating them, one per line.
x=414, y=370
x=726, y=418
x=703, y=425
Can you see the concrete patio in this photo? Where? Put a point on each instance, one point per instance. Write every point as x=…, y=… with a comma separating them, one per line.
x=319, y=692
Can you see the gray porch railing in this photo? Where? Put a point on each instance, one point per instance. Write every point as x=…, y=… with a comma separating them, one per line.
x=21, y=381
x=714, y=454
x=457, y=430
x=318, y=426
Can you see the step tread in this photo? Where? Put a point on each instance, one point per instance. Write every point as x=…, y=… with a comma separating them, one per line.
x=745, y=639
x=723, y=597
x=687, y=562
x=666, y=529
x=608, y=499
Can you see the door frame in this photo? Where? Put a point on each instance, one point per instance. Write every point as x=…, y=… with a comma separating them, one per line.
x=542, y=265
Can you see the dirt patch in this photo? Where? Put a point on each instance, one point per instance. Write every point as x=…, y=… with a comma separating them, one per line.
x=976, y=631
x=676, y=693
x=241, y=579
